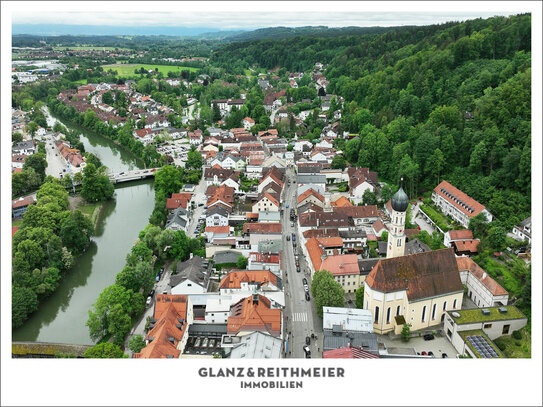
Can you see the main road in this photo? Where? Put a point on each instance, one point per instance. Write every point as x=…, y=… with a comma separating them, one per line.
x=300, y=315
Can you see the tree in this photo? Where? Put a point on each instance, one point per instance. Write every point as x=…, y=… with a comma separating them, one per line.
x=242, y=262
x=369, y=198
x=96, y=186
x=478, y=225
x=338, y=162
x=105, y=350
x=24, y=302
x=386, y=193
x=194, y=159
x=496, y=237
x=168, y=180
x=327, y=292
x=406, y=332
x=435, y=164
x=136, y=343
x=16, y=137
x=216, y=113
x=359, y=297
x=37, y=162
x=76, y=231
x=32, y=128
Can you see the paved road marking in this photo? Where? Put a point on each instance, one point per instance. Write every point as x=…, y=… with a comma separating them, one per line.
x=299, y=316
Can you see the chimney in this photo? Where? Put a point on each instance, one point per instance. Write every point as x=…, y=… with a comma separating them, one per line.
x=406, y=285
x=484, y=275
x=255, y=298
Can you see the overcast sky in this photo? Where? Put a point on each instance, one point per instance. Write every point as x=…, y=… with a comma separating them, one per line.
x=246, y=19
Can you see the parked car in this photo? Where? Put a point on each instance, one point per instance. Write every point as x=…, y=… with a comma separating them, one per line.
x=431, y=354
x=287, y=205
x=307, y=350
x=200, y=204
x=151, y=293
x=292, y=224
x=149, y=300
x=298, y=269
x=304, y=280
x=444, y=356
x=424, y=353
x=158, y=278
x=307, y=340
x=293, y=237
x=428, y=337
x=288, y=238
x=307, y=297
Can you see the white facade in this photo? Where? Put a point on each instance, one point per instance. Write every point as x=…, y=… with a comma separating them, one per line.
x=480, y=294
x=450, y=210
x=188, y=287
x=396, y=235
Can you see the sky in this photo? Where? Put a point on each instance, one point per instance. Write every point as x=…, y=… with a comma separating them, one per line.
x=198, y=17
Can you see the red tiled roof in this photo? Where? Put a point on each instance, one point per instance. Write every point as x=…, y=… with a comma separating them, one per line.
x=251, y=215
x=341, y=264
x=265, y=258
x=143, y=132
x=348, y=352
x=235, y=278
x=365, y=211
x=178, y=200
x=331, y=241
x=168, y=310
x=319, y=233
x=341, y=202
x=218, y=229
x=309, y=192
x=262, y=227
x=466, y=263
x=460, y=196
x=378, y=225
x=21, y=203
x=427, y=274
x=460, y=234
x=467, y=245
x=315, y=252
x=248, y=315
x=14, y=229
x=17, y=170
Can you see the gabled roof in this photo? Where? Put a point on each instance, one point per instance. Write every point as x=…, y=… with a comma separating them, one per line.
x=218, y=229
x=469, y=245
x=341, y=202
x=467, y=264
x=309, y=192
x=348, y=352
x=22, y=202
x=235, y=278
x=427, y=274
x=254, y=314
x=458, y=199
x=178, y=200
x=378, y=225
x=460, y=234
x=365, y=211
x=217, y=210
x=341, y=264
x=316, y=233
x=262, y=228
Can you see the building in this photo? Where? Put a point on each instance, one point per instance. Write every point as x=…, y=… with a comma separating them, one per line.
x=396, y=234
x=456, y=235
x=471, y=331
x=217, y=216
x=250, y=280
x=349, y=352
x=254, y=313
x=523, y=231
x=178, y=219
x=483, y=290
x=456, y=204
x=19, y=206
x=417, y=289
x=350, y=319
x=257, y=345
x=168, y=333
x=192, y=277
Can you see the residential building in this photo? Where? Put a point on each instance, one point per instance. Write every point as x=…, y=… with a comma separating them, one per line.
x=456, y=235
x=192, y=277
x=349, y=352
x=250, y=280
x=257, y=345
x=523, y=231
x=350, y=319
x=483, y=290
x=178, y=220
x=254, y=313
x=19, y=206
x=471, y=331
x=217, y=216
x=456, y=204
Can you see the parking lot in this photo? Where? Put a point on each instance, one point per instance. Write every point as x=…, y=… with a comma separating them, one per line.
x=439, y=345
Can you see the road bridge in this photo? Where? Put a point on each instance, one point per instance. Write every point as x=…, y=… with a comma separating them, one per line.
x=133, y=175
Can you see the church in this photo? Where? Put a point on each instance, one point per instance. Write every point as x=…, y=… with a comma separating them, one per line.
x=416, y=289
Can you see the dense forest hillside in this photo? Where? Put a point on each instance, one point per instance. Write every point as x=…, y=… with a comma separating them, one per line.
x=449, y=101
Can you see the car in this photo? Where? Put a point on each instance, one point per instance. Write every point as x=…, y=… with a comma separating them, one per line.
x=294, y=244
x=288, y=238
x=149, y=300
x=293, y=237
x=200, y=204
x=153, y=170
x=420, y=199
x=205, y=207
x=414, y=204
x=306, y=288
x=298, y=269
x=307, y=350
x=307, y=340
x=158, y=278
x=161, y=270
x=287, y=205
x=444, y=355
x=164, y=292
x=424, y=353
x=428, y=337
x=418, y=227
x=292, y=224
x=307, y=297
x=304, y=280
x=152, y=292
x=297, y=264
x=121, y=173
x=431, y=354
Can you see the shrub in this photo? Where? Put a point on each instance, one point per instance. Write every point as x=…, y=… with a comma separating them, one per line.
x=517, y=335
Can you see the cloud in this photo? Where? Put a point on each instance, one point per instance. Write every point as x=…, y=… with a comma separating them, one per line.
x=242, y=19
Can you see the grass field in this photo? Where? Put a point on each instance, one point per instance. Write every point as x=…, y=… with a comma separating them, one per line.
x=516, y=348
x=128, y=69
x=88, y=48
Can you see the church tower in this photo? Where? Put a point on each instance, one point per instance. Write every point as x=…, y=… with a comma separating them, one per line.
x=396, y=234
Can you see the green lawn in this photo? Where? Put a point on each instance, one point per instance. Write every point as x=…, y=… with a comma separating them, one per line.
x=516, y=348
x=17, y=222
x=440, y=220
x=81, y=81
x=475, y=315
x=128, y=69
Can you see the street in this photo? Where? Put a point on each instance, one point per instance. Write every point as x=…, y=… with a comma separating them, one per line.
x=199, y=197
x=300, y=315
x=56, y=166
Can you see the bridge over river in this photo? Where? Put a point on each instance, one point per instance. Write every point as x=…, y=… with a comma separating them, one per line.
x=132, y=175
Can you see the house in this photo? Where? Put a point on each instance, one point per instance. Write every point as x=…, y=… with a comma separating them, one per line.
x=341, y=202
x=217, y=216
x=146, y=135
x=24, y=148
x=192, y=277
x=17, y=161
x=361, y=215
x=257, y=345
x=349, y=319
x=254, y=313
x=471, y=331
x=310, y=220
x=168, y=334
x=417, y=289
x=216, y=175
x=414, y=246
x=378, y=228
x=456, y=204
x=179, y=200
x=248, y=123
x=466, y=247
x=483, y=290
x=261, y=231
x=266, y=202
x=274, y=161
x=265, y=261
x=271, y=175
x=19, y=206
x=523, y=231
x=311, y=196
x=269, y=217
x=216, y=232
x=349, y=352
x=360, y=180
x=178, y=220
x=353, y=240
x=348, y=327
x=250, y=280
x=264, y=85
x=456, y=235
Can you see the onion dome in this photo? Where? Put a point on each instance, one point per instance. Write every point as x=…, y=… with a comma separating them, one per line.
x=400, y=201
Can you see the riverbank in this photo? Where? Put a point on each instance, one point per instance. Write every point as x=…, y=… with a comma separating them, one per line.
x=91, y=210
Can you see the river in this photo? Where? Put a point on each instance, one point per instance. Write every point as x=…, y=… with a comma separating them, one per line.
x=61, y=318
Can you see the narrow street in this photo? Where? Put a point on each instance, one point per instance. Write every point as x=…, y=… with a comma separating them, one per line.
x=300, y=315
